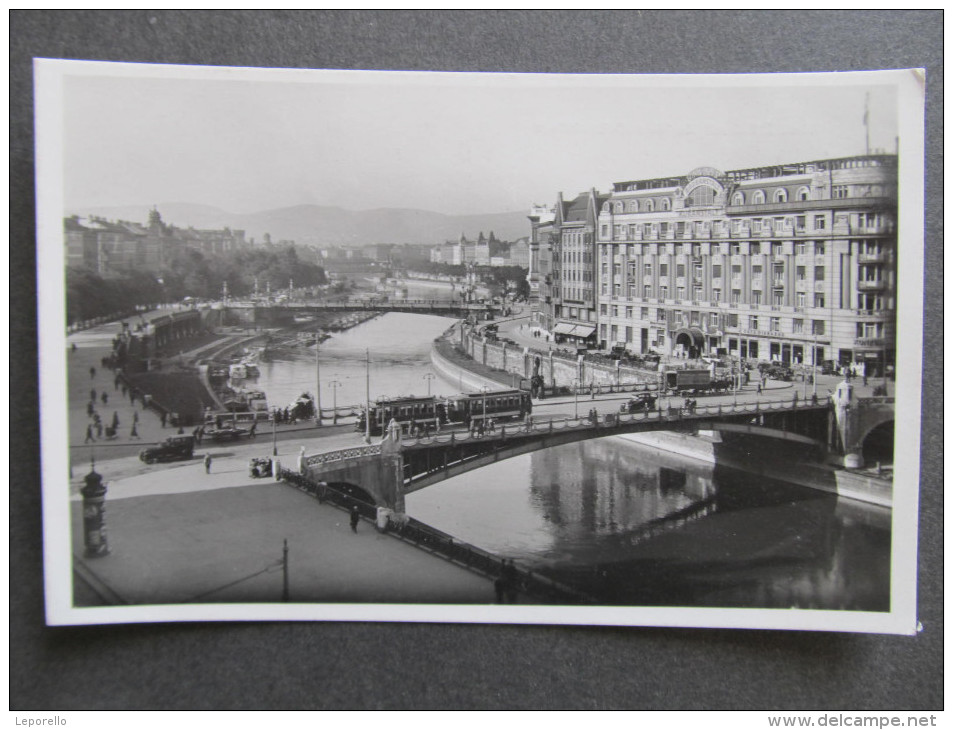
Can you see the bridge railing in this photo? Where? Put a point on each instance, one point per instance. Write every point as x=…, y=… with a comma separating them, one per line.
x=355, y=452
x=433, y=540
x=673, y=415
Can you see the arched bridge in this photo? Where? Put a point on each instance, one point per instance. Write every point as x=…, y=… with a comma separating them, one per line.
x=399, y=465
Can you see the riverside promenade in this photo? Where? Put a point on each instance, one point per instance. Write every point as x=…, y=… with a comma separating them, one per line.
x=179, y=535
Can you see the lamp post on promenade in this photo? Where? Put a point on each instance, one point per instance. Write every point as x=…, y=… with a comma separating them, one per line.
x=429, y=377
x=334, y=385
x=274, y=432
x=814, y=370
x=367, y=397
x=575, y=397
x=317, y=370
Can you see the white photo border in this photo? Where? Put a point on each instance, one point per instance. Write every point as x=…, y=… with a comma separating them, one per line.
x=58, y=570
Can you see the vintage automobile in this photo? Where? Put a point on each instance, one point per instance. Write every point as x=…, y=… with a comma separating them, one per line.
x=174, y=448
x=641, y=402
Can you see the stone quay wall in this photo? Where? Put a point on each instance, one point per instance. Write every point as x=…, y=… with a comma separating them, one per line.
x=559, y=368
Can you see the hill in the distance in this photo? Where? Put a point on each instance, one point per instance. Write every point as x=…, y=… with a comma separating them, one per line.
x=327, y=225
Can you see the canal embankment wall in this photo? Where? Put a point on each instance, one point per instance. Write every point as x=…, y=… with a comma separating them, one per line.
x=513, y=362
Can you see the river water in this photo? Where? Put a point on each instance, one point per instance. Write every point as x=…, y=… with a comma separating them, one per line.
x=628, y=523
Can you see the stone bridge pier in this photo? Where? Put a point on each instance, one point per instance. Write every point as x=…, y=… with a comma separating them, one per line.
x=377, y=469
x=852, y=420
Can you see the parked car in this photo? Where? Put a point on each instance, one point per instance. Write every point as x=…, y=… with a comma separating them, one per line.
x=174, y=448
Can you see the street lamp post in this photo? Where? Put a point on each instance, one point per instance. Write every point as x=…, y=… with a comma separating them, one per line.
x=367, y=397
x=485, y=389
x=334, y=385
x=814, y=370
x=317, y=370
x=274, y=432
x=575, y=397
x=429, y=377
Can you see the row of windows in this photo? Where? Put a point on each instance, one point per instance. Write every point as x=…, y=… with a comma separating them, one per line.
x=769, y=248
x=704, y=195
x=716, y=320
x=777, y=298
x=779, y=225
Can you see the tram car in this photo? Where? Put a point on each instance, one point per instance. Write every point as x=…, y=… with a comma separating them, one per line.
x=408, y=412
x=425, y=412
x=501, y=404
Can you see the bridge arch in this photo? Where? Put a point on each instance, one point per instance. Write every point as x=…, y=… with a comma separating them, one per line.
x=877, y=443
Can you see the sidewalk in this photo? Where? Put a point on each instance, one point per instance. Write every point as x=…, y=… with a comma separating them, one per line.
x=203, y=543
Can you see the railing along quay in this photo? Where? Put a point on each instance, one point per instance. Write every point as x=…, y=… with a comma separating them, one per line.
x=434, y=541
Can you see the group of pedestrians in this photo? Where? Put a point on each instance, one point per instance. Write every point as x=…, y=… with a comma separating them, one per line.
x=482, y=426
x=96, y=429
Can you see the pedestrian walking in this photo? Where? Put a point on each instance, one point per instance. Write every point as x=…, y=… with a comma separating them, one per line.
x=134, y=433
x=92, y=395
x=115, y=419
x=759, y=388
x=89, y=434
x=99, y=429
x=208, y=463
x=865, y=378
x=251, y=431
x=105, y=398
x=73, y=347
x=135, y=416
x=163, y=418
x=355, y=517
x=92, y=372
x=90, y=409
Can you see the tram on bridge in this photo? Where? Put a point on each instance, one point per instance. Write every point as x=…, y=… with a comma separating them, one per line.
x=426, y=412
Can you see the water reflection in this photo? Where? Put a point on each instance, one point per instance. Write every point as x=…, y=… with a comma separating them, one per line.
x=636, y=526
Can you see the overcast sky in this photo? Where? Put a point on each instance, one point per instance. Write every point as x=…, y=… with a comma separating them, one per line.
x=449, y=143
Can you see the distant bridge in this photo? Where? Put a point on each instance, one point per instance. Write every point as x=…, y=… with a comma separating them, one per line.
x=255, y=312
x=400, y=465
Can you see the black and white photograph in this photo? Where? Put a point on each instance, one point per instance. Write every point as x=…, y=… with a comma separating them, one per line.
x=480, y=348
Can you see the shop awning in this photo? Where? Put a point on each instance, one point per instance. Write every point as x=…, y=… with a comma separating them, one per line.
x=583, y=331
x=563, y=328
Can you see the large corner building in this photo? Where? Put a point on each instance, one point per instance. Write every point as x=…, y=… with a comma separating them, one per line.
x=793, y=263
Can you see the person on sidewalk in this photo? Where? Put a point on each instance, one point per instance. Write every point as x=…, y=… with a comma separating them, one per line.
x=355, y=517
x=208, y=463
x=89, y=434
x=134, y=434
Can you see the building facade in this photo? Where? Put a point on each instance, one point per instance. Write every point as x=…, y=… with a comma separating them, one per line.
x=115, y=246
x=792, y=263
x=573, y=310
x=540, y=268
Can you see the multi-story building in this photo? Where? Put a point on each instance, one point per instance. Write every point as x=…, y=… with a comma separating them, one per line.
x=114, y=246
x=574, y=289
x=793, y=263
x=540, y=274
